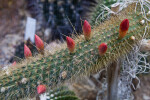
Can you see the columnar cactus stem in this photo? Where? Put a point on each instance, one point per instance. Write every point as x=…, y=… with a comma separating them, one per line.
x=48, y=70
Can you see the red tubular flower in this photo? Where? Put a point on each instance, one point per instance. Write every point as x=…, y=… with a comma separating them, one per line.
x=70, y=44
x=123, y=29
x=102, y=48
x=87, y=30
x=41, y=89
x=27, y=52
x=39, y=43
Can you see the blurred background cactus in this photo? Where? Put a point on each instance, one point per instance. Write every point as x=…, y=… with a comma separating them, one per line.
x=60, y=16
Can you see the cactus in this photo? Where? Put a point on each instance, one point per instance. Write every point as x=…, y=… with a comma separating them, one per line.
x=62, y=93
x=22, y=80
x=98, y=10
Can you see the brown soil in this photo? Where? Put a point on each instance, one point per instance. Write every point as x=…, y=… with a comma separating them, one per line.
x=143, y=93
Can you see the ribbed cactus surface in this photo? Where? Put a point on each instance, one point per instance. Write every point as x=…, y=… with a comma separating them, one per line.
x=62, y=93
x=56, y=68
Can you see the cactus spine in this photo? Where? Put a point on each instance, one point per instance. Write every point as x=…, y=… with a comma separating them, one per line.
x=48, y=69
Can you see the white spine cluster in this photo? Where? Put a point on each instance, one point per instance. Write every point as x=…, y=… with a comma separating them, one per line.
x=24, y=80
x=3, y=89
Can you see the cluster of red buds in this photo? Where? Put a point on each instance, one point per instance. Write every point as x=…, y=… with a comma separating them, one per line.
x=39, y=45
x=123, y=29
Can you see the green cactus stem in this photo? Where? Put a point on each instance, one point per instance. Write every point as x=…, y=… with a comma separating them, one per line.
x=62, y=93
x=23, y=80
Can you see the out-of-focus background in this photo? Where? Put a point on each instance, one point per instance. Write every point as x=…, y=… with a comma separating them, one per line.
x=12, y=24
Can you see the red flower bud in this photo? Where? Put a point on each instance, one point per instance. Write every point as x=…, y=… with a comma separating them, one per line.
x=87, y=30
x=102, y=48
x=123, y=29
x=27, y=52
x=70, y=44
x=39, y=43
x=41, y=89
x=14, y=63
